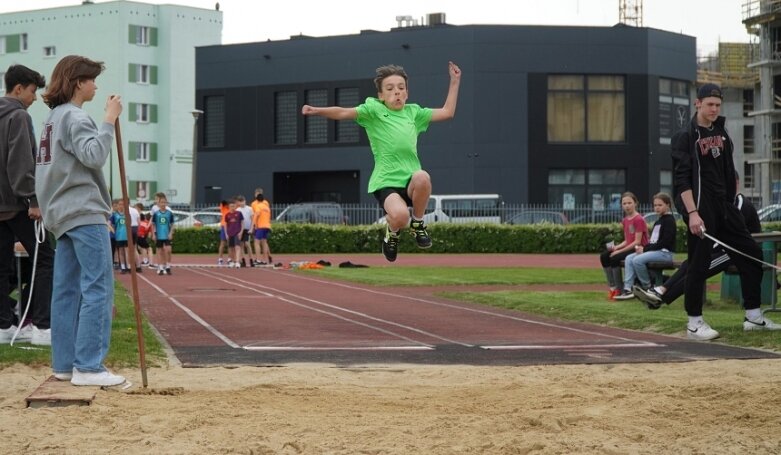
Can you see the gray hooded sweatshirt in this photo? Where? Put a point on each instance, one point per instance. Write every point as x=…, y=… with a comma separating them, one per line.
x=69, y=170
x=17, y=165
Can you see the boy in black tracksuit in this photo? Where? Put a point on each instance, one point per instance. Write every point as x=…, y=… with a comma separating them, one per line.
x=704, y=183
x=675, y=286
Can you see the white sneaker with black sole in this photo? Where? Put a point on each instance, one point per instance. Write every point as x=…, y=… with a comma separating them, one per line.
x=626, y=294
x=701, y=333
x=762, y=324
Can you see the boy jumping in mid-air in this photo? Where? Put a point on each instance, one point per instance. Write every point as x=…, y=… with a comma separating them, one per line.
x=398, y=181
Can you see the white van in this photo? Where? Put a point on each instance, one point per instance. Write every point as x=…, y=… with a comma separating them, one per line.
x=462, y=208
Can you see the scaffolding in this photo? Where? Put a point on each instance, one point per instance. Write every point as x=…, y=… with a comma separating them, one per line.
x=630, y=12
x=762, y=19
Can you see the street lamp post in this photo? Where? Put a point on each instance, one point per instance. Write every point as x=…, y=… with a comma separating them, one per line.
x=196, y=113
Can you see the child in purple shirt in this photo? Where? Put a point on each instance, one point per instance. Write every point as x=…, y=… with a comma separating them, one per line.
x=233, y=230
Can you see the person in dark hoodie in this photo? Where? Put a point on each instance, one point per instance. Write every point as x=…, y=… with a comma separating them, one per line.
x=704, y=184
x=19, y=206
x=76, y=205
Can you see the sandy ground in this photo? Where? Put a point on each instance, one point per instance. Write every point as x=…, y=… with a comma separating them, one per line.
x=728, y=406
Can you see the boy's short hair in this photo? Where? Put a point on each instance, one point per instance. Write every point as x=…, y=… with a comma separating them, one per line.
x=20, y=74
x=240, y=198
x=259, y=197
x=387, y=71
x=160, y=195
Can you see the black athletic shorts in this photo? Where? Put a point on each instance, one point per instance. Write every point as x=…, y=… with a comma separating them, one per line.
x=383, y=194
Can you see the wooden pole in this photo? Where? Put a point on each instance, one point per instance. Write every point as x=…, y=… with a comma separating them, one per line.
x=131, y=246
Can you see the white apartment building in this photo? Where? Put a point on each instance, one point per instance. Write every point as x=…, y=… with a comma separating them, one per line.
x=149, y=54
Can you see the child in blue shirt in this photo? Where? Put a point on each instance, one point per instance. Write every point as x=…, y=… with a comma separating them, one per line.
x=163, y=234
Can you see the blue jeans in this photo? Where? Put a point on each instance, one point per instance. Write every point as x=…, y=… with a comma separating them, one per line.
x=635, y=266
x=82, y=300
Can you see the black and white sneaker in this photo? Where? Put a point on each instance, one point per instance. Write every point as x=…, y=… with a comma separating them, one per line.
x=762, y=324
x=703, y=332
x=390, y=244
x=626, y=294
x=651, y=298
x=421, y=234
x=168, y=270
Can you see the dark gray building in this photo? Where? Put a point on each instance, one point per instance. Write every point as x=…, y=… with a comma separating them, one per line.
x=560, y=115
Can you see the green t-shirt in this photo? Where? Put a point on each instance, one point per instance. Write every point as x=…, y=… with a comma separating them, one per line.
x=393, y=136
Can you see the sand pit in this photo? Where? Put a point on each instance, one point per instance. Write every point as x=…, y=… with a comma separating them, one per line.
x=726, y=406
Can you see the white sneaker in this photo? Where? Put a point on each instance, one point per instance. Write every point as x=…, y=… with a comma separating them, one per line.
x=24, y=336
x=7, y=334
x=41, y=337
x=701, y=333
x=763, y=324
x=104, y=378
x=63, y=376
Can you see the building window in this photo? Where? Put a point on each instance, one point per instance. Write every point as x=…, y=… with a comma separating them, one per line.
x=23, y=42
x=49, y=51
x=285, y=118
x=144, y=190
x=2, y=45
x=142, y=36
x=142, y=151
x=666, y=182
x=2, y=82
x=316, y=127
x=143, y=74
x=142, y=113
x=214, y=121
x=748, y=102
x=748, y=139
x=586, y=108
x=347, y=130
x=599, y=188
x=748, y=176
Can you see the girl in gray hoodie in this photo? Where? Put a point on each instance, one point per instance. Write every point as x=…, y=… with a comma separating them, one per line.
x=75, y=206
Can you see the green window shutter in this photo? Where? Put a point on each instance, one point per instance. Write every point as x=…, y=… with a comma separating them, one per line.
x=153, y=74
x=153, y=151
x=131, y=112
x=132, y=72
x=153, y=113
x=153, y=36
x=131, y=156
x=152, y=190
x=12, y=43
x=132, y=32
x=132, y=189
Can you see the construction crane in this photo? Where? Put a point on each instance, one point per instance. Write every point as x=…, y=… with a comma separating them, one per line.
x=630, y=12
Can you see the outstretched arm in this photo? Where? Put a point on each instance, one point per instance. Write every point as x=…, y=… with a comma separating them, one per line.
x=332, y=112
x=448, y=111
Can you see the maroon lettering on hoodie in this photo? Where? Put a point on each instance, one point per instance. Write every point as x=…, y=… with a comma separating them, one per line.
x=44, y=155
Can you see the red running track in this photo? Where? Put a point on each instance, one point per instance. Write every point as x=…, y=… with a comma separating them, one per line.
x=213, y=315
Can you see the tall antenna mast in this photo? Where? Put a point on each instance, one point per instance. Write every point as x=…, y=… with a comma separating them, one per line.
x=630, y=12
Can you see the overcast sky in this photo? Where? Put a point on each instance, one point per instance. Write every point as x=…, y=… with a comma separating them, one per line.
x=710, y=21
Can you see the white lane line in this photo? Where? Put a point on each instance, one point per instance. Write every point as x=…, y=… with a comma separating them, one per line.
x=254, y=288
x=338, y=348
x=478, y=311
x=194, y=316
x=570, y=347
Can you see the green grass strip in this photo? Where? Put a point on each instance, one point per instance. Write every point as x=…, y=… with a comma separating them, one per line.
x=123, y=352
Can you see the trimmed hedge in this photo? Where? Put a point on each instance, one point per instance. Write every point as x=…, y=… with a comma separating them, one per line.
x=447, y=238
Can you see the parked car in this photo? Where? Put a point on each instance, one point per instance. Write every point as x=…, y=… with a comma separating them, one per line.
x=771, y=212
x=651, y=217
x=312, y=212
x=461, y=208
x=599, y=217
x=538, y=216
x=196, y=219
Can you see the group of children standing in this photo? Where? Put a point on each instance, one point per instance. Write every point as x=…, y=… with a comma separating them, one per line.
x=239, y=226
x=157, y=224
